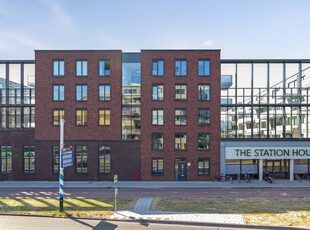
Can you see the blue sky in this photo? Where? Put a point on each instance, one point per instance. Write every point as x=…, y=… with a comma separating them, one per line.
x=240, y=28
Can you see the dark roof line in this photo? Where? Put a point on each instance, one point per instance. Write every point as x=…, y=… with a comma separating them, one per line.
x=264, y=60
x=17, y=61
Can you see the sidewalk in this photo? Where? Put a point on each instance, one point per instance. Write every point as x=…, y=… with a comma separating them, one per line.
x=154, y=184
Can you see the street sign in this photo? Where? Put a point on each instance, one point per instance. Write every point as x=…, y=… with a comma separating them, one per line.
x=67, y=157
x=115, y=178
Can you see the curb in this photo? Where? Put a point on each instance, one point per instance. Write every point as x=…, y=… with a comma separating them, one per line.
x=145, y=221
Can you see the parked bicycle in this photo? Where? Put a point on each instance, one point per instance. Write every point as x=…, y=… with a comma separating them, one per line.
x=229, y=178
x=306, y=176
x=297, y=177
x=268, y=178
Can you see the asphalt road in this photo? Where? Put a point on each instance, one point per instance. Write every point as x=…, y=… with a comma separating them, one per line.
x=140, y=193
x=43, y=223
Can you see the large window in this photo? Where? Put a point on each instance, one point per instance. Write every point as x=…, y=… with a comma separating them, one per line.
x=157, y=117
x=180, y=92
x=157, y=167
x=81, y=68
x=58, y=114
x=180, y=141
x=29, y=159
x=204, y=117
x=104, y=68
x=158, y=93
x=56, y=159
x=14, y=117
x=81, y=159
x=203, y=68
x=104, y=117
x=81, y=117
x=104, y=159
x=203, y=141
x=203, y=166
x=58, y=68
x=180, y=67
x=81, y=92
x=58, y=92
x=6, y=159
x=203, y=92
x=157, y=141
x=180, y=117
x=158, y=68
x=104, y=93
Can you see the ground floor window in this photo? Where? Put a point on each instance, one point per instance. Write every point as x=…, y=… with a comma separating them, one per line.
x=29, y=159
x=203, y=166
x=6, y=159
x=157, y=167
x=81, y=159
x=104, y=159
x=56, y=159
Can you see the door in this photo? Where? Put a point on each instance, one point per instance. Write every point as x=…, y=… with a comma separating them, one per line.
x=182, y=172
x=274, y=168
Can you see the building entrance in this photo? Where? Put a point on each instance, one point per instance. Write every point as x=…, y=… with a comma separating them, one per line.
x=180, y=169
x=278, y=169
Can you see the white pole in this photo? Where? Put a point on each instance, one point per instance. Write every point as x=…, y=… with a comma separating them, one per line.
x=291, y=169
x=260, y=170
x=61, y=169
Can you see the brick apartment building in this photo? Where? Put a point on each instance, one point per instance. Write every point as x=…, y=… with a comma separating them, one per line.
x=153, y=115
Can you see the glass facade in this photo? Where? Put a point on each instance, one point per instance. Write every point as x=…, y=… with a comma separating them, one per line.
x=265, y=99
x=131, y=96
x=17, y=95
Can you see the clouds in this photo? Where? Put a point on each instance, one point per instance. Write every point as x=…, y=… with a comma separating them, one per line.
x=208, y=43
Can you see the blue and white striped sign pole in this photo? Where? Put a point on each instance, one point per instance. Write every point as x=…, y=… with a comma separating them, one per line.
x=61, y=169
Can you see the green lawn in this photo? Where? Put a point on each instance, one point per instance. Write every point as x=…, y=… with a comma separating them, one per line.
x=257, y=211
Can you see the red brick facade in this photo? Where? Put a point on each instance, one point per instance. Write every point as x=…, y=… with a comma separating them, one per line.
x=128, y=158
x=169, y=104
x=44, y=93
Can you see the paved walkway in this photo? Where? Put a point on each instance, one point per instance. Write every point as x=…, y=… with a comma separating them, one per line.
x=155, y=184
x=142, y=211
x=143, y=205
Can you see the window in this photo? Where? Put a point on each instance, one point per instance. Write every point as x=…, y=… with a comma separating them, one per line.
x=203, y=141
x=204, y=117
x=81, y=159
x=58, y=114
x=56, y=159
x=104, y=68
x=6, y=159
x=157, y=117
x=158, y=93
x=81, y=92
x=180, y=116
x=203, y=166
x=58, y=68
x=158, y=68
x=180, y=67
x=180, y=141
x=158, y=141
x=29, y=159
x=104, y=117
x=81, y=117
x=58, y=92
x=29, y=116
x=203, y=92
x=180, y=92
x=104, y=159
x=203, y=68
x=14, y=117
x=104, y=93
x=81, y=68
x=157, y=167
